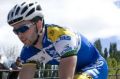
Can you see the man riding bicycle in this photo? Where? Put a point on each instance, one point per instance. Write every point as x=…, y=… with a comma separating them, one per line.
x=53, y=44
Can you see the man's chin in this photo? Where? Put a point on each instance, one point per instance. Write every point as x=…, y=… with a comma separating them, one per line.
x=28, y=44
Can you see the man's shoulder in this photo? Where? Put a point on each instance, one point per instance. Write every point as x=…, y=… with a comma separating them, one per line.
x=27, y=52
x=29, y=48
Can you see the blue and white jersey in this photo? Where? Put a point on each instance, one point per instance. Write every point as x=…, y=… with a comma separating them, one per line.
x=59, y=42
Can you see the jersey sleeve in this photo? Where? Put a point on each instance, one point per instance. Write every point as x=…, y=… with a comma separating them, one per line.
x=67, y=45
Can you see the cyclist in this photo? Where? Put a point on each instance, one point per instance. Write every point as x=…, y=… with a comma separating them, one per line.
x=52, y=44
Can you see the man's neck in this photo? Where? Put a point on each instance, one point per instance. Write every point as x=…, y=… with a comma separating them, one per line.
x=39, y=43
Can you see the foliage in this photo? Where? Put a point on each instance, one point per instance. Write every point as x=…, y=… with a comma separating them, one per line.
x=98, y=45
x=112, y=63
x=106, y=53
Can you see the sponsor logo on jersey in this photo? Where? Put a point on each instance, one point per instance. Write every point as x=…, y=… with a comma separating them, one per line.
x=56, y=32
x=65, y=38
x=53, y=53
x=42, y=57
x=67, y=48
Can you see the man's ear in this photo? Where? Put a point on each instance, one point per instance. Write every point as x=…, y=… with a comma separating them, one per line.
x=39, y=25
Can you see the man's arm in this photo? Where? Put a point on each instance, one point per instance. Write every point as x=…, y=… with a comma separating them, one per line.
x=27, y=71
x=67, y=67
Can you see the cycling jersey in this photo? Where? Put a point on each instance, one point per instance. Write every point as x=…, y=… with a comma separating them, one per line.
x=59, y=42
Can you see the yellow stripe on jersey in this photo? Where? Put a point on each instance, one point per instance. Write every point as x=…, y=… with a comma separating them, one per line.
x=55, y=32
x=29, y=64
x=82, y=76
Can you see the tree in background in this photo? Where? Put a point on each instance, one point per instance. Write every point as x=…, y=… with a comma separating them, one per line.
x=112, y=63
x=113, y=49
x=98, y=45
x=114, y=53
x=106, y=53
x=11, y=52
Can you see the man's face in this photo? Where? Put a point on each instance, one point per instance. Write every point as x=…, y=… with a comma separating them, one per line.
x=26, y=31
